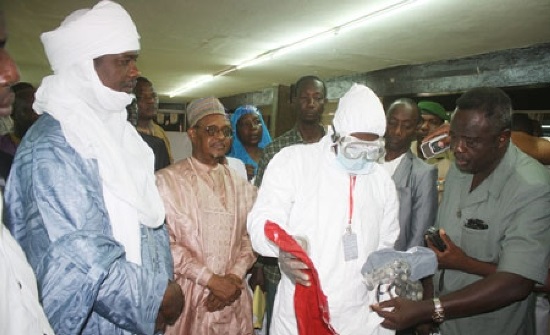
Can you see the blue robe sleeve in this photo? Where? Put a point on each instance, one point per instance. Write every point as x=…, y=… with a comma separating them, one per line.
x=55, y=209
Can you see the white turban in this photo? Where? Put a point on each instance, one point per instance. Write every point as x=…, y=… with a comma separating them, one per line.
x=85, y=34
x=360, y=111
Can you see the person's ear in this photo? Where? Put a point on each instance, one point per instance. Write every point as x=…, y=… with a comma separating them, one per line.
x=192, y=133
x=504, y=137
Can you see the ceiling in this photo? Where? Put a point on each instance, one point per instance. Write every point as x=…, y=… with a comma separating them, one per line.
x=182, y=40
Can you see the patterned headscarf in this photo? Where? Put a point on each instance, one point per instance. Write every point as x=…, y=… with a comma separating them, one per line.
x=237, y=148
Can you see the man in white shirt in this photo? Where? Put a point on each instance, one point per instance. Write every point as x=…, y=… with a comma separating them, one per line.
x=415, y=180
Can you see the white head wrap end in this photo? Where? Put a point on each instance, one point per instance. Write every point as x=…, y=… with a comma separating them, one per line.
x=85, y=34
x=360, y=111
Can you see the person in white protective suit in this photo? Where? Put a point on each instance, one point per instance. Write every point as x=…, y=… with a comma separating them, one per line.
x=338, y=203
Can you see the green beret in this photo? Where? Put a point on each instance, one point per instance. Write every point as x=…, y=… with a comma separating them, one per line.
x=434, y=108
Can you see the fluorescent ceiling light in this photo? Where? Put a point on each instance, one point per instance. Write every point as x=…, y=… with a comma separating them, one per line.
x=226, y=71
x=360, y=21
x=256, y=60
x=290, y=47
x=193, y=84
x=303, y=43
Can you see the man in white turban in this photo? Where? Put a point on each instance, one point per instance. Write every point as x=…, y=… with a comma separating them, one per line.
x=334, y=199
x=81, y=199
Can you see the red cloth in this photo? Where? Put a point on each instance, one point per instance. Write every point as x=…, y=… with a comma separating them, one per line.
x=310, y=303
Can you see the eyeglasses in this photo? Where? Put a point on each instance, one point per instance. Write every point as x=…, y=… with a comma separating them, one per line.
x=215, y=130
x=354, y=148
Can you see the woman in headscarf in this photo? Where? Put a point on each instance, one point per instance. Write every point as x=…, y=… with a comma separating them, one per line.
x=250, y=136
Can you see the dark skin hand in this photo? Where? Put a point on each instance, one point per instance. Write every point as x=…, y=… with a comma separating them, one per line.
x=429, y=327
x=444, y=129
x=235, y=280
x=213, y=304
x=215, y=301
x=453, y=257
x=426, y=329
x=226, y=288
x=492, y=292
x=402, y=313
x=544, y=288
x=495, y=290
x=171, y=306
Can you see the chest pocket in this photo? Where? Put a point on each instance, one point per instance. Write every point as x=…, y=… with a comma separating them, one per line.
x=481, y=225
x=480, y=244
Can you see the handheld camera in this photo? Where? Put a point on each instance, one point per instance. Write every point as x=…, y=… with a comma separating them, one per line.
x=433, y=235
x=432, y=148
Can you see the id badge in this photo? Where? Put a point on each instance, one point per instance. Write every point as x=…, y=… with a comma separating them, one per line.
x=350, y=245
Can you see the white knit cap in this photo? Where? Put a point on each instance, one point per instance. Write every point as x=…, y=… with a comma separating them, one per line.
x=85, y=34
x=360, y=111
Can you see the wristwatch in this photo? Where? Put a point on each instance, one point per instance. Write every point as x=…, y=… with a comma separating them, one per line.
x=439, y=314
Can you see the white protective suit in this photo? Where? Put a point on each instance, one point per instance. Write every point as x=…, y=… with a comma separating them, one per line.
x=307, y=192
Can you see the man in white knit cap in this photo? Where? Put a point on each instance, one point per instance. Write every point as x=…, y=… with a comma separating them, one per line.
x=337, y=202
x=81, y=199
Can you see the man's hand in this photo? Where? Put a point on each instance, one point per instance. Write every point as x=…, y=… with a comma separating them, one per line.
x=456, y=259
x=399, y=313
x=214, y=304
x=235, y=280
x=543, y=288
x=171, y=306
x=452, y=257
x=225, y=288
x=444, y=129
x=293, y=268
x=426, y=329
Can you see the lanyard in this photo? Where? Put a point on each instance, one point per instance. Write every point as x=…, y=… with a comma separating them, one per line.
x=351, y=187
